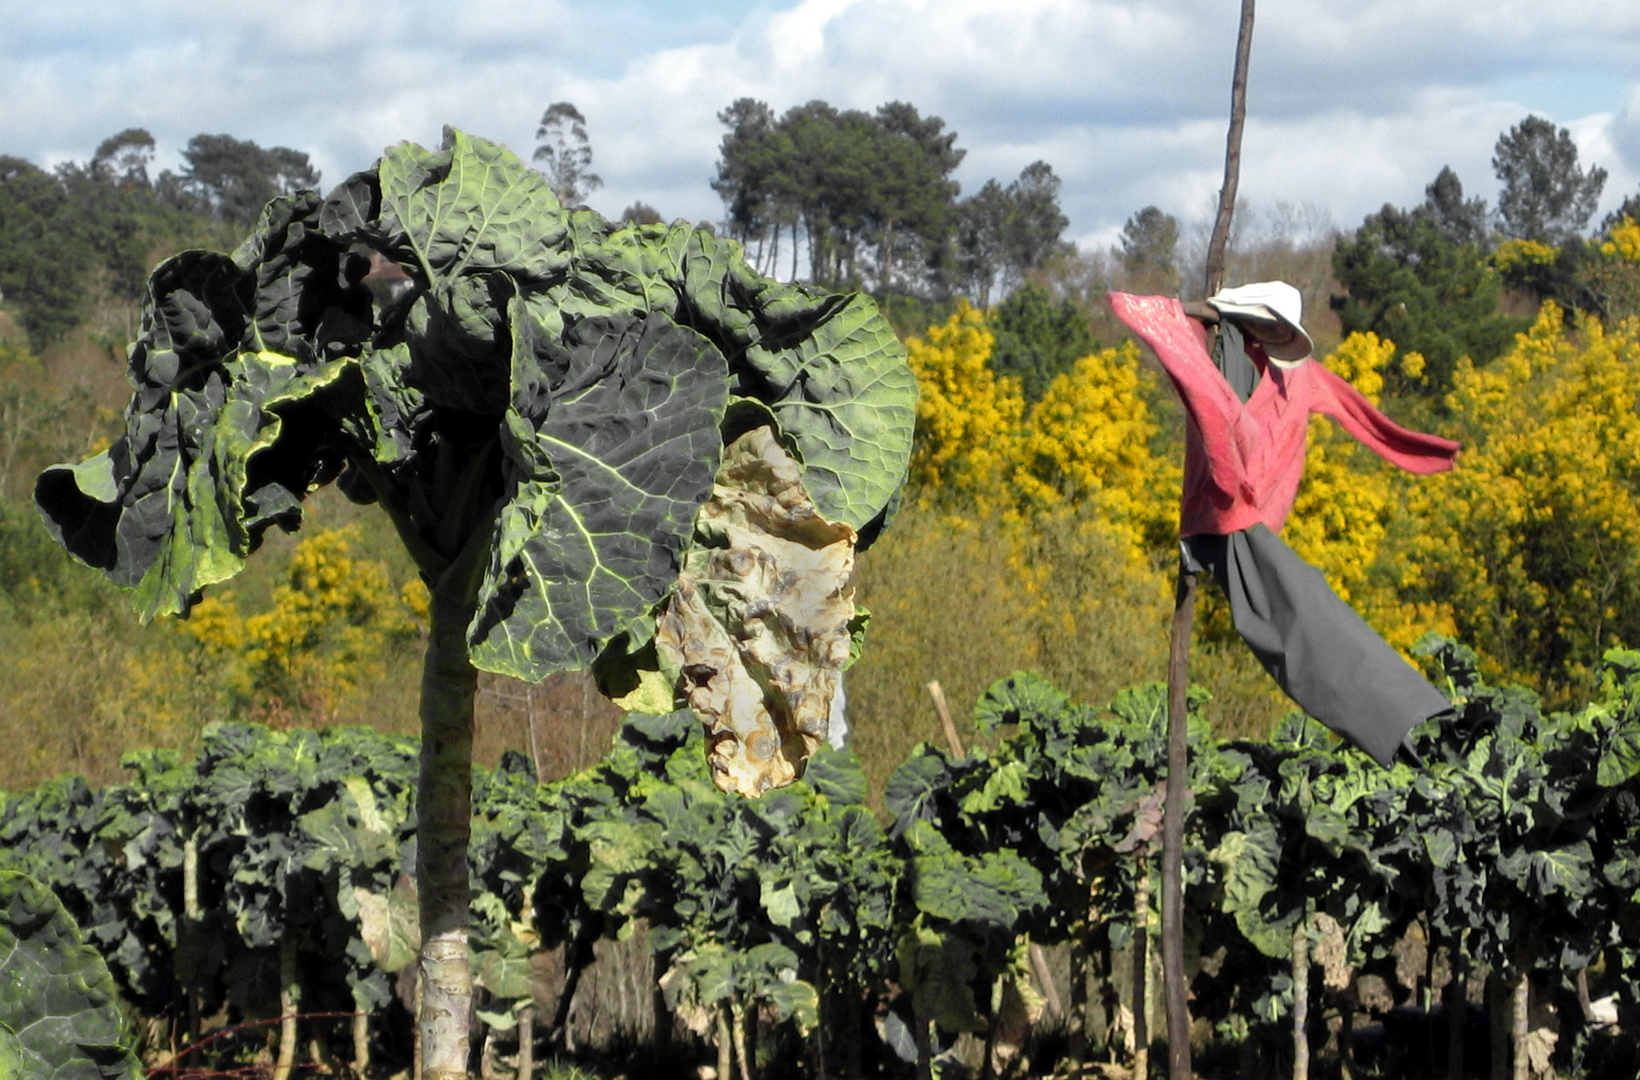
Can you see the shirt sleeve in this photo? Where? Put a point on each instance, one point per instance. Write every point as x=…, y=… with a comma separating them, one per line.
x=1208, y=399
x=1413, y=451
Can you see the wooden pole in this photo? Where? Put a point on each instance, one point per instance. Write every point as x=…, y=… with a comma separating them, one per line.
x=1232, y=153
x=1178, y=793
x=1184, y=614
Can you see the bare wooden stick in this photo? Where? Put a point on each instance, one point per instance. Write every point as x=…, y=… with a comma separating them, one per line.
x=1184, y=613
x=952, y=740
x=1232, y=153
x=1177, y=993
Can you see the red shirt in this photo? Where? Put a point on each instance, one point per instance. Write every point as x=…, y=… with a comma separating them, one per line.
x=1243, y=461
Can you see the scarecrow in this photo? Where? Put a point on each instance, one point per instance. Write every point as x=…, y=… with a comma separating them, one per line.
x=1246, y=419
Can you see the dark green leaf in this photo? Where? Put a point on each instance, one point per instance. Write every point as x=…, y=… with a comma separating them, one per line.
x=58, y=1004
x=612, y=443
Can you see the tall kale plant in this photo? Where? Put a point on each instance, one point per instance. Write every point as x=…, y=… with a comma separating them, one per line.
x=538, y=399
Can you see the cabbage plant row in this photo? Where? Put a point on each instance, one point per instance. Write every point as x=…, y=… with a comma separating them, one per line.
x=269, y=876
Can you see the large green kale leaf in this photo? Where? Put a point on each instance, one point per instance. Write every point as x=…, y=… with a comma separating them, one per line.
x=59, y=1011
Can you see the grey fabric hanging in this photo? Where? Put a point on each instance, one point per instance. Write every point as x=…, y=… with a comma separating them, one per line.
x=1324, y=655
x=1230, y=356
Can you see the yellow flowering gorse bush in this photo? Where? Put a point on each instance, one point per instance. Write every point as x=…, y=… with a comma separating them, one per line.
x=1535, y=540
x=328, y=629
x=968, y=418
x=1516, y=253
x=1624, y=241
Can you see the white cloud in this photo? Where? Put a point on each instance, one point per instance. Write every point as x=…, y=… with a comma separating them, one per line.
x=1351, y=105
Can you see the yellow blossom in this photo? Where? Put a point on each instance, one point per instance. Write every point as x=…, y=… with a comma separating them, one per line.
x=1513, y=253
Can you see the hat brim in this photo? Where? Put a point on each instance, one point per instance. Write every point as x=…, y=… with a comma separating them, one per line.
x=1287, y=354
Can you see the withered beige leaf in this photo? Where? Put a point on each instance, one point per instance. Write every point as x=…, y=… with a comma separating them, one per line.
x=1331, y=952
x=757, y=630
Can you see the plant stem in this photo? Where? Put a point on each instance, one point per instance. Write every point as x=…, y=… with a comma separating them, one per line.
x=526, y=1042
x=1078, y=1016
x=444, y=808
x=1141, y=972
x=725, y=1044
x=1044, y=980
x=287, y=1007
x=922, y=1031
x=361, y=1041
x=1521, y=1000
x=1301, y=999
x=1457, y=1005
x=1497, y=1022
x=190, y=929
x=560, y=1033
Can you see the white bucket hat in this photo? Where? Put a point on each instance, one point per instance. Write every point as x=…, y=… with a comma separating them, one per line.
x=1269, y=302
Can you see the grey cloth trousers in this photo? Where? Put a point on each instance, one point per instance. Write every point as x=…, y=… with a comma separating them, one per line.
x=1324, y=655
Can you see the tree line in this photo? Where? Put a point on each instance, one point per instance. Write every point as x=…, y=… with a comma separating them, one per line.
x=95, y=228
x=869, y=198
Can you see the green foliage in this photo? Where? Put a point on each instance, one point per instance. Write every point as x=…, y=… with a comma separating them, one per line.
x=1150, y=242
x=1037, y=339
x=234, y=178
x=565, y=154
x=1005, y=233
x=59, y=1013
x=871, y=193
x=73, y=235
x=872, y=197
x=44, y=259
x=1410, y=281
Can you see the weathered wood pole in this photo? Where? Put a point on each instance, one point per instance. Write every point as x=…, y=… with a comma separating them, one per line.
x=1232, y=153
x=1178, y=793
x=1184, y=614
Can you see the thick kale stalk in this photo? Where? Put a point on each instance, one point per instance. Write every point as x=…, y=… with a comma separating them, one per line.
x=444, y=806
x=538, y=399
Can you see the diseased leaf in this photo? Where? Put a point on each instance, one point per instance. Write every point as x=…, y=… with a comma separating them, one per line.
x=390, y=924
x=758, y=628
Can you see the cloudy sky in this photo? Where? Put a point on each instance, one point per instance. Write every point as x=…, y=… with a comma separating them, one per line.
x=1351, y=104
